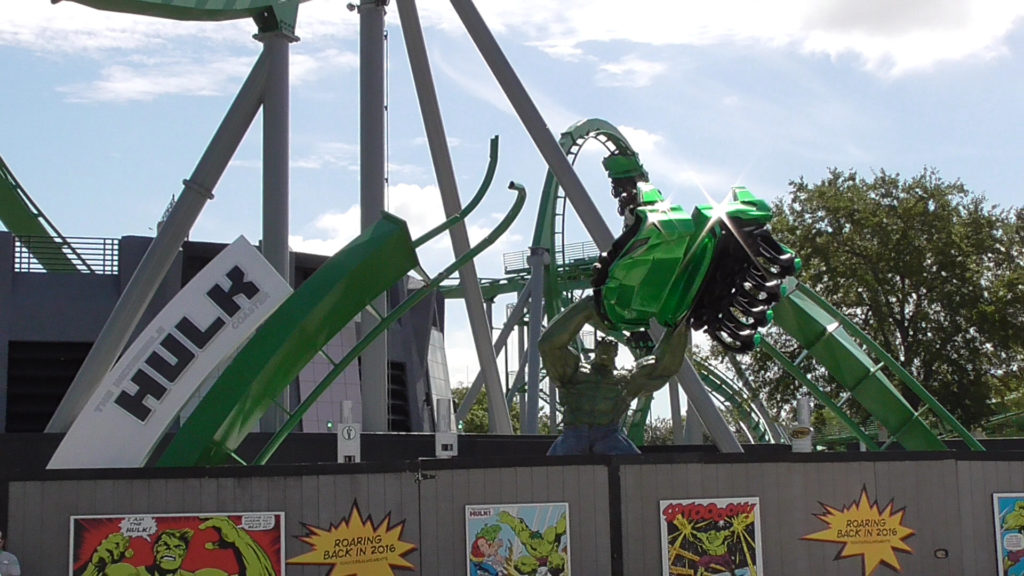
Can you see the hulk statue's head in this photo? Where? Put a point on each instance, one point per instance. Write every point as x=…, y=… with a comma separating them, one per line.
x=605, y=352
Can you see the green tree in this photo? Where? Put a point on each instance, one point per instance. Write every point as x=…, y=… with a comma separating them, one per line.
x=477, y=419
x=658, y=432
x=925, y=267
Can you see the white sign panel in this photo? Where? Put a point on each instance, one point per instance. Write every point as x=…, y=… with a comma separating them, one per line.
x=205, y=323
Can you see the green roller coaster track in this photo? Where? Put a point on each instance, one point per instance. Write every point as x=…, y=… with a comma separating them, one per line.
x=23, y=218
x=849, y=355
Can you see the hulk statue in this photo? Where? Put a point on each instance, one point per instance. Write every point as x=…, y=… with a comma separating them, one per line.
x=595, y=396
x=542, y=548
x=170, y=549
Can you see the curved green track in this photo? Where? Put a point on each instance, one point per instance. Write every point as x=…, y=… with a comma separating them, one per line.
x=856, y=362
x=26, y=221
x=827, y=336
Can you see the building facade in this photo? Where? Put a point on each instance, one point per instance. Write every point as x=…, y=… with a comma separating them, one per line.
x=49, y=321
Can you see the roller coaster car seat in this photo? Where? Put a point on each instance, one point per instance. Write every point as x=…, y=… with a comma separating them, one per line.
x=718, y=268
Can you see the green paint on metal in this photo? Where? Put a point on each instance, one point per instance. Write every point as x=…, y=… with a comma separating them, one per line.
x=909, y=381
x=387, y=321
x=735, y=398
x=548, y=231
x=826, y=339
x=661, y=270
x=481, y=191
x=820, y=395
x=268, y=14
x=23, y=218
x=289, y=338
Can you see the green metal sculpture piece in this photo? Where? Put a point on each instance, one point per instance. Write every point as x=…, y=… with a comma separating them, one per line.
x=270, y=15
x=718, y=268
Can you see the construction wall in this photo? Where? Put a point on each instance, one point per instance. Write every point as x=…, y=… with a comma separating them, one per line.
x=615, y=506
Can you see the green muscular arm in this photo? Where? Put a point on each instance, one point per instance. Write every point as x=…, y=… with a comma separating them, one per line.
x=560, y=360
x=106, y=559
x=651, y=372
x=518, y=526
x=252, y=559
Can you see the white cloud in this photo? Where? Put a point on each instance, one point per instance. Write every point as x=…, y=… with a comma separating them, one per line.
x=888, y=38
x=631, y=72
x=333, y=230
x=304, y=68
x=675, y=174
x=329, y=154
x=152, y=79
x=75, y=29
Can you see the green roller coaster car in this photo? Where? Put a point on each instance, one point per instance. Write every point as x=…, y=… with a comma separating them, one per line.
x=718, y=268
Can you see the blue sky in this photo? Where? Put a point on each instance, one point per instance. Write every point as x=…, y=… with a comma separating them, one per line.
x=104, y=114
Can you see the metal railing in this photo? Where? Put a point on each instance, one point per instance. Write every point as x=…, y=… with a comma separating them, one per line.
x=576, y=253
x=42, y=254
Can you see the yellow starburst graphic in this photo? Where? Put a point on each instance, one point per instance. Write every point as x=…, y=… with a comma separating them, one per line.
x=865, y=530
x=356, y=547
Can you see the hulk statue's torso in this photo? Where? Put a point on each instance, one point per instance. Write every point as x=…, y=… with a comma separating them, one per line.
x=594, y=396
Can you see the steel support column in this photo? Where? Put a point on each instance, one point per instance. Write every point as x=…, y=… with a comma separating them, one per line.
x=373, y=381
x=438, y=142
x=198, y=188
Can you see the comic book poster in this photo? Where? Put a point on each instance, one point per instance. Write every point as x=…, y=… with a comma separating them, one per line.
x=517, y=539
x=710, y=536
x=246, y=543
x=1009, y=515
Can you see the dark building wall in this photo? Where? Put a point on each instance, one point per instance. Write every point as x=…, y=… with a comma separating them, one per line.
x=53, y=309
x=72, y=308
x=6, y=287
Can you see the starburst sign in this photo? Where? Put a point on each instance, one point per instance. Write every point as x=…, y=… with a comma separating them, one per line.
x=356, y=547
x=865, y=530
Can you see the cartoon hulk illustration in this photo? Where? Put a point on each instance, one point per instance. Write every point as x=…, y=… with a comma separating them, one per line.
x=716, y=543
x=1014, y=521
x=170, y=549
x=485, y=556
x=542, y=548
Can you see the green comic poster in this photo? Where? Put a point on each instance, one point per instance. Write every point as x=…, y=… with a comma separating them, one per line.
x=711, y=536
x=1009, y=514
x=249, y=543
x=517, y=540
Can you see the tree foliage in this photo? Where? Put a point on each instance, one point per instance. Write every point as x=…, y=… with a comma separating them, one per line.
x=926, y=268
x=658, y=432
x=477, y=420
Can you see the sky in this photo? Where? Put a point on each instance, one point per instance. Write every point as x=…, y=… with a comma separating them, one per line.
x=104, y=114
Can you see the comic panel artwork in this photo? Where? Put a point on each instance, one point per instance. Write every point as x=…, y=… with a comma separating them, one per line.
x=1009, y=515
x=233, y=543
x=517, y=540
x=711, y=536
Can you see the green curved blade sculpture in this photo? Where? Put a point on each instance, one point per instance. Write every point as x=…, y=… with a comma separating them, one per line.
x=269, y=14
x=288, y=340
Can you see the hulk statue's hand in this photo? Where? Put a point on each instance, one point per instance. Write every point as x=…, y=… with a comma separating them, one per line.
x=112, y=550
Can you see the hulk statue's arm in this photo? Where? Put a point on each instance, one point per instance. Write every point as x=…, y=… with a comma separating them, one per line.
x=252, y=559
x=560, y=360
x=651, y=372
